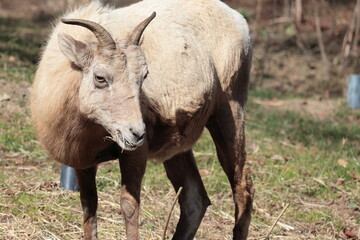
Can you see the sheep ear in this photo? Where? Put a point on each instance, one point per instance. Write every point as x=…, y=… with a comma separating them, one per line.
x=74, y=50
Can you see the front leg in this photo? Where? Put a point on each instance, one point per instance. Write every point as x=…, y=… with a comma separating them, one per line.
x=89, y=200
x=132, y=166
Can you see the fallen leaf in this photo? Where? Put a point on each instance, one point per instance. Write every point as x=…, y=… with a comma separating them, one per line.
x=312, y=230
x=272, y=204
x=287, y=159
x=12, y=59
x=342, y=162
x=277, y=157
x=349, y=234
x=9, y=192
x=4, y=97
x=318, y=180
x=19, y=161
x=48, y=186
x=340, y=181
x=305, y=172
x=355, y=176
x=204, y=172
x=29, y=231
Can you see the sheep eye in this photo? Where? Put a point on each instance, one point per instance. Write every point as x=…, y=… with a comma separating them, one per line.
x=100, y=79
x=100, y=82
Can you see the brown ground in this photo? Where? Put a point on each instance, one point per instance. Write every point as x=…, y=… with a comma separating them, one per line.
x=317, y=109
x=14, y=96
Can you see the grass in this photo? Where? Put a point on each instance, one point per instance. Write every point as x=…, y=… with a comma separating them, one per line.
x=294, y=158
x=299, y=158
x=20, y=41
x=17, y=135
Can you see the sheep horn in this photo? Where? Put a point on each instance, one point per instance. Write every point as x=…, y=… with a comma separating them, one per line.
x=103, y=36
x=139, y=29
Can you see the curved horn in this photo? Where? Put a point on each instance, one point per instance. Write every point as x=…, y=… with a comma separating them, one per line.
x=103, y=36
x=139, y=29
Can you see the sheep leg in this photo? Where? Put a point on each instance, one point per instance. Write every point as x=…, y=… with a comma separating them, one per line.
x=132, y=171
x=226, y=127
x=183, y=172
x=89, y=200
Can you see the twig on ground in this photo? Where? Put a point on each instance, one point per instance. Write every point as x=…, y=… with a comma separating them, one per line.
x=53, y=236
x=285, y=226
x=171, y=210
x=314, y=205
x=277, y=219
x=109, y=220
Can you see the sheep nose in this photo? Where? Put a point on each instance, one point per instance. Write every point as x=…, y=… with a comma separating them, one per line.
x=138, y=136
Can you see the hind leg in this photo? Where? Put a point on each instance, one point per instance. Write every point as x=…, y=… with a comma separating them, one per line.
x=183, y=172
x=226, y=127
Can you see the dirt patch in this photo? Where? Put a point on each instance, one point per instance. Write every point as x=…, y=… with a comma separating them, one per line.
x=14, y=97
x=35, y=9
x=343, y=212
x=286, y=70
x=317, y=109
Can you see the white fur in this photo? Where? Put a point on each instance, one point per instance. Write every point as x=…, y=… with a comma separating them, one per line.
x=193, y=50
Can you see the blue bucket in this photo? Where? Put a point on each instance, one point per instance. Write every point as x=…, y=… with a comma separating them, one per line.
x=354, y=91
x=68, y=180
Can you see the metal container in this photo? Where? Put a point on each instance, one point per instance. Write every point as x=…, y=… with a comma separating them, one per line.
x=354, y=91
x=68, y=180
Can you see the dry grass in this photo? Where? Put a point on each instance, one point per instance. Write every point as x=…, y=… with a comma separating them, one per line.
x=33, y=207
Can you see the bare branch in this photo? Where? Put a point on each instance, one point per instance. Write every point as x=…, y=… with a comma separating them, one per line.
x=319, y=36
x=277, y=219
x=171, y=210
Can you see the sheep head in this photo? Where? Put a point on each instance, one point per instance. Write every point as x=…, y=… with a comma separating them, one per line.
x=112, y=75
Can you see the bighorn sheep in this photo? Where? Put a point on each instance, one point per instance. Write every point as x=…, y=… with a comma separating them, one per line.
x=134, y=89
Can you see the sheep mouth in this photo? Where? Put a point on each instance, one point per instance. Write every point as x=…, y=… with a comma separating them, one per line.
x=129, y=144
x=124, y=143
